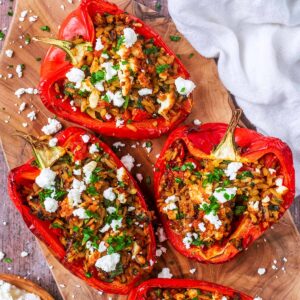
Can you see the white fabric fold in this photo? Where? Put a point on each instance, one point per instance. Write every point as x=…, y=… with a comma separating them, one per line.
x=257, y=44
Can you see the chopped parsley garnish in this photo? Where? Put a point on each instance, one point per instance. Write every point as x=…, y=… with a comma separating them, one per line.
x=162, y=68
x=97, y=76
x=198, y=242
x=38, y=58
x=180, y=216
x=151, y=50
x=215, y=176
x=211, y=207
x=125, y=105
x=56, y=225
x=191, y=55
x=120, y=41
x=87, y=234
x=90, y=48
x=27, y=39
x=91, y=190
x=178, y=180
x=88, y=275
x=175, y=38
x=95, y=177
x=45, y=28
x=75, y=228
x=46, y=193
x=187, y=166
x=92, y=214
x=239, y=209
x=118, y=243
x=2, y=35
x=244, y=174
x=158, y=6
x=7, y=260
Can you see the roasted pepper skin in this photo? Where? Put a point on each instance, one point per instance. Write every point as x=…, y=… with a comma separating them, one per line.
x=25, y=176
x=200, y=142
x=55, y=66
x=141, y=291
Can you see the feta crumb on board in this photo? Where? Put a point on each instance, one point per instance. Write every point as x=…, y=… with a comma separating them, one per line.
x=261, y=271
x=31, y=116
x=197, y=122
x=139, y=177
x=128, y=161
x=108, y=263
x=165, y=273
x=24, y=254
x=52, y=127
x=2, y=255
x=257, y=298
x=192, y=271
x=9, y=53
x=161, y=234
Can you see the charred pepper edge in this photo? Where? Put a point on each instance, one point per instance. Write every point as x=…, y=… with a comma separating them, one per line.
x=140, y=292
x=41, y=228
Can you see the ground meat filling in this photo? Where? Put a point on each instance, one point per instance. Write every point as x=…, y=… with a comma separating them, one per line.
x=205, y=199
x=97, y=212
x=125, y=77
x=182, y=294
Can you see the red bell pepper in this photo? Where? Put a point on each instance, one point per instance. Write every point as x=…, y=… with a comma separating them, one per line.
x=218, y=141
x=55, y=66
x=24, y=176
x=140, y=293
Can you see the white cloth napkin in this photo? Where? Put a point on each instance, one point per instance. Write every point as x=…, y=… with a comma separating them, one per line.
x=257, y=43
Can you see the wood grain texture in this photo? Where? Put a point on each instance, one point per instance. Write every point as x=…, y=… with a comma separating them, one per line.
x=211, y=104
x=26, y=285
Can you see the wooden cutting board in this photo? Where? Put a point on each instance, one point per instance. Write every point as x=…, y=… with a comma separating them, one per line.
x=212, y=103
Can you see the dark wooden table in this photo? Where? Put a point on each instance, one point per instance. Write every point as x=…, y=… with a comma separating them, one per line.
x=14, y=235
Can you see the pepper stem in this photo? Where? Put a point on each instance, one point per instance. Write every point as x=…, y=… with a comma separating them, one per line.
x=67, y=47
x=227, y=148
x=45, y=155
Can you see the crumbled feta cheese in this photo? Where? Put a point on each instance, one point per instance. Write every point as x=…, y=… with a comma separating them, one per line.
x=1, y=255
x=53, y=142
x=145, y=92
x=52, y=127
x=122, y=198
x=76, y=75
x=93, y=149
x=118, y=145
x=111, y=209
x=197, y=122
x=85, y=138
x=110, y=72
x=261, y=271
x=118, y=99
x=23, y=15
x=184, y=86
x=119, y=122
x=284, y=259
x=257, y=298
x=121, y=174
x=77, y=172
x=272, y=171
x=161, y=234
x=105, y=55
x=108, y=263
x=99, y=86
x=116, y=224
x=279, y=181
x=165, y=273
x=24, y=254
x=131, y=208
x=98, y=46
x=139, y=177
x=102, y=247
x=224, y=194
x=213, y=219
x=46, y=179
x=19, y=71
x=171, y=203
x=202, y=227
x=166, y=104
x=31, y=116
x=108, y=116
x=266, y=199
x=281, y=189
x=80, y=213
x=22, y=107
x=30, y=91
x=109, y=194
x=74, y=194
x=130, y=37
x=192, y=271
x=33, y=18
x=24, y=124
x=9, y=53
x=188, y=239
x=254, y=205
x=51, y=205
x=128, y=161
x=105, y=228
x=88, y=170
x=232, y=169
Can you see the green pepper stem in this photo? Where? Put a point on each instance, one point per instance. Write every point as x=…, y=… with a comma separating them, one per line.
x=227, y=148
x=45, y=155
x=67, y=47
